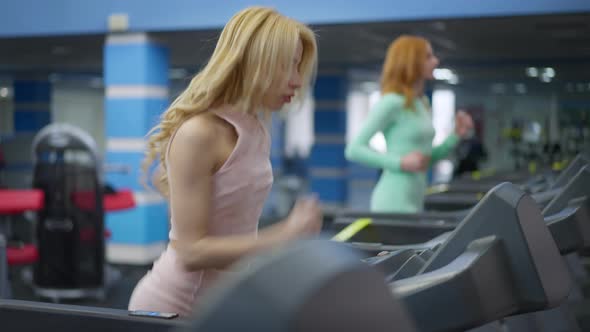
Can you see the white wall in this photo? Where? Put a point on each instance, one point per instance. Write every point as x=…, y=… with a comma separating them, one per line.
x=299, y=135
x=81, y=106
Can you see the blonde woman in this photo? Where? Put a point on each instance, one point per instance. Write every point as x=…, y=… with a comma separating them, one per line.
x=213, y=150
x=403, y=116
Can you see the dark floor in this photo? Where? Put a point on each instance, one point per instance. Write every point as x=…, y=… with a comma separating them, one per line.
x=117, y=296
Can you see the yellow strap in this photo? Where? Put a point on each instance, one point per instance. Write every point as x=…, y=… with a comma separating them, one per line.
x=351, y=230
x=436, y=189
x=532, y=167
x=480, y=174
x=559, y=165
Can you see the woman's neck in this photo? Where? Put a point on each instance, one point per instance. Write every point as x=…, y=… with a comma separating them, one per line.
x=419, y=88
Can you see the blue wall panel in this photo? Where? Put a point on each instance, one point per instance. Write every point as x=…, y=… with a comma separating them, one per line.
x=142, y=225
x=136, y=64
x=132, y=117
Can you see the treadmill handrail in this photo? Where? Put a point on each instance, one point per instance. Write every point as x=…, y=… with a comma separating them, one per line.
x=576, y=187
x=427, y=215
x=481, y=272
x=68, y=311
x=440, y=223
x=573, y=168
x=546, y=196
x=570, y=227
x=541, y=198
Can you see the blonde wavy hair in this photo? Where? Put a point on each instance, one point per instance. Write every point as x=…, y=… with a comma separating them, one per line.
x=254, y=53
x=403, y=66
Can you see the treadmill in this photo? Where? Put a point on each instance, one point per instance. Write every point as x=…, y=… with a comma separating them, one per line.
x=483, y=272
x=448, y=214
x=29, y=316
x=527, y=181
x=463, y=201
x=457, y=196
x=569, y=227
x=410, y=229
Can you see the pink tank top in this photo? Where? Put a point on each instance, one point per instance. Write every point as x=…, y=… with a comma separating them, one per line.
x=240, y=188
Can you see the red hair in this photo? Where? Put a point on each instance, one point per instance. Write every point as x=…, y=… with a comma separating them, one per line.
x=403, y=66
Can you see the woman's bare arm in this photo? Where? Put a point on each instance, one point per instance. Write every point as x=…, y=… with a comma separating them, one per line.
x=192, y=161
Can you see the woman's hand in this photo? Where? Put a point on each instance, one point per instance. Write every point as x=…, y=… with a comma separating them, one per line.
x=305, y=219
x=463, y=124
x=415, y=162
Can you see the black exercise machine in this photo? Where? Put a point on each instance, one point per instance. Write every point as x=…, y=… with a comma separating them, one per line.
x=408, y=229
x=483, y=272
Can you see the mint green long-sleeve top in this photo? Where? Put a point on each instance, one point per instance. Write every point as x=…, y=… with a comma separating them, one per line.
x=406, y=130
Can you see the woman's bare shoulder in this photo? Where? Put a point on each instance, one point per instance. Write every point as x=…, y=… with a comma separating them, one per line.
x=195, y=143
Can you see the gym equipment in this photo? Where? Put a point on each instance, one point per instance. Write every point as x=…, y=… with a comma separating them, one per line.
x=272, y=293
x=5, y=291
x=458, y=196
x=15, y=203
x=387, y=230
x=485, y=271
x=529, y=183
x=463, y=194
x=307, y=286
x=488, y=269
x=30, y=316
x=70, y=230
x=569, y=227
x=450, y=215
x=506, y=227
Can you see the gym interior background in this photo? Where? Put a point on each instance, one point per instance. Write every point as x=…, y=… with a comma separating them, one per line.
x=520, y=68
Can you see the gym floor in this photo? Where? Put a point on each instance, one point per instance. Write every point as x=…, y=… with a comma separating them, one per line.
x=117, y=296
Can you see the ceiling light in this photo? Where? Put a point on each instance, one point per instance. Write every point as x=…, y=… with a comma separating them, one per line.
x=443, y=74
x=549, y=72
x=532, y=72
x=3, y=92
x=454, y=80
x=547, y=76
